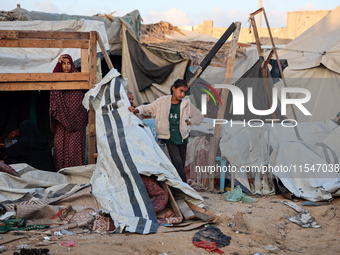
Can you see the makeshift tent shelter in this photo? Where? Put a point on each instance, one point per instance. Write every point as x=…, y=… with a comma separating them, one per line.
x=116, y=33
x=313, y=64
x=116, y=28
x=115, y=179
x=305, y=158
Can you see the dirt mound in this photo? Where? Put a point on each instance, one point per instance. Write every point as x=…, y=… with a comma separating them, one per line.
x=154, y=35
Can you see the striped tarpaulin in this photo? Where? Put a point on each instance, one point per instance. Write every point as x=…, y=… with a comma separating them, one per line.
x=126, y=149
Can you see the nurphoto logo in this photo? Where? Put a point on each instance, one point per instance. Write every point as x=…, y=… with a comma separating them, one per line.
x=239, y=99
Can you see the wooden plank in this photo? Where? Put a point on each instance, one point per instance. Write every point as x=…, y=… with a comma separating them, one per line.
x=93, y=81
x=201, y=210
x=256, y=35
x=211, y=162
x=203, y=216
x=44, y=43
x=44, y=34
x=102, y=48
x=26, y=86
x=217, y=65
x=172, y=200
x=84, y=60
x=36, y=77
x=244, y=45
x=278, y=61
x=227, y=80
x=9, y=33
x=185, y=209
x=256, y=12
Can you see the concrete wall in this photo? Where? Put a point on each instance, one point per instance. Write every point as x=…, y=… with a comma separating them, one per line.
x=297, y=23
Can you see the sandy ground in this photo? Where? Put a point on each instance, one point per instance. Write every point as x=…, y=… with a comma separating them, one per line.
x=265, y=230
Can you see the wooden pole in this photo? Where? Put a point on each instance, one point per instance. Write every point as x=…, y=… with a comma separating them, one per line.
x=102, y=48
x=207, y=60
x=225, y=92
x=256, y=34
x=211, y=162
x=278, y=60
x=264, y=66
x=93, y=81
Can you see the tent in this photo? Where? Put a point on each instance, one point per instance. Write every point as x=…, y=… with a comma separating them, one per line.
x=120, y=35
x=313, y=64
x=126, y=150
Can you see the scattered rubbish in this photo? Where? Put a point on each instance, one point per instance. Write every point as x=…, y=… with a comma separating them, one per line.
x=57, y=233
x=3, y=249
x=46, y=238
x=22, y=246
x=310, y=203
x=328, y=210
x=32, y=251
x=202, y=213
x=231, y=224
x=89, y=237
x=212, y=234
x=237, y=195
x=69, y=243
x=270, y=247
x=65, y=232
x=209, y=246
x=302, y=218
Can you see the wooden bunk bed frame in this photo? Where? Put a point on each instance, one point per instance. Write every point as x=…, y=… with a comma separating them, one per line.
x=86, y=79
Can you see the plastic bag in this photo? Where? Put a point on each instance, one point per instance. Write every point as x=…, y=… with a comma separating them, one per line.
x=236, y=195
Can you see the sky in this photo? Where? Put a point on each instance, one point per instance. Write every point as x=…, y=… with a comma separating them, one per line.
x=178, y=12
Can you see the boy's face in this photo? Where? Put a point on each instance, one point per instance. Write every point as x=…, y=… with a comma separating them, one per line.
x=66, y=65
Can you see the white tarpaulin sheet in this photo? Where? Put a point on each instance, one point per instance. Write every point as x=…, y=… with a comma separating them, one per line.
x=126, y=149
x=34, y=184
x=43, y=60
x=305, y=157
x=314, y=64
x=311, y=150
x=320, y=44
